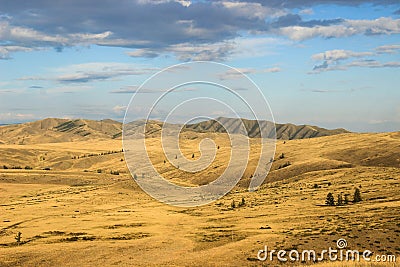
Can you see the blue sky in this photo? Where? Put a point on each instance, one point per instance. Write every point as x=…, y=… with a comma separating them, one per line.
x=332, y=63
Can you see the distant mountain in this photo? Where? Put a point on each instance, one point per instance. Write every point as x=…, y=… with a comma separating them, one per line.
x=59, y=130
x=64, y=130
x=283, y=131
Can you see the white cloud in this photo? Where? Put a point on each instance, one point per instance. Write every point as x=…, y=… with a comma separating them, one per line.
x=384, y=25
x=119, y=109
x=26, y=35
x=252, y=10
x=9, y=116
x=5, y=51
x=336, y=55
x=188, y=51
x=94, y=71
x=388, y=49
x=333, y=59
x=236, y=48
x=238, y=73
x=307, y=11
x=374, y=64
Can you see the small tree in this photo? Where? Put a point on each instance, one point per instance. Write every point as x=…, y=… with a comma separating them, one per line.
x=135, y=176
x=282, y=156
x=330, y=200
x=193, y=156
x=339, y=200
x=18, y=237
x=243, y=202
x=357, y=196
x=233, y=204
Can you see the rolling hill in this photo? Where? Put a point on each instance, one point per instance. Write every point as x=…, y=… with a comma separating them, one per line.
x=79, y=204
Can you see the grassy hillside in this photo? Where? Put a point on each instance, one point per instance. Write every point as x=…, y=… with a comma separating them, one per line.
x=76, y=212
x=283, y=131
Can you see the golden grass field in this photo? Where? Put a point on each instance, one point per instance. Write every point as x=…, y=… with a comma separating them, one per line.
x=78, y=214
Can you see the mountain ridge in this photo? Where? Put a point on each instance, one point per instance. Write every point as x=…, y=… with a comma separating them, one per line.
x=54, y=130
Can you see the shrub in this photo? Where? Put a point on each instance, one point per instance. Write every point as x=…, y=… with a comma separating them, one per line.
x=243, y=202
x=282, y=156
x=330, y=200
x=28, y=168
x=99, y=171
x=233, y=204
x=357, y=196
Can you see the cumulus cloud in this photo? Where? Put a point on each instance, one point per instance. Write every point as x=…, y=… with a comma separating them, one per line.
x=130, y=23
x=198, y=30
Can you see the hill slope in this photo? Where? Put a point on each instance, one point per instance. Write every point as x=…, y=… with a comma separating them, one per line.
x=58, y=130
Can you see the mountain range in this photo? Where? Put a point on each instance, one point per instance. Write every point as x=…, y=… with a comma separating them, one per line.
x=53, y=130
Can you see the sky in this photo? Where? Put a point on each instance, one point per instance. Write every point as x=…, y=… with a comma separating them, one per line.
x=330, y=63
